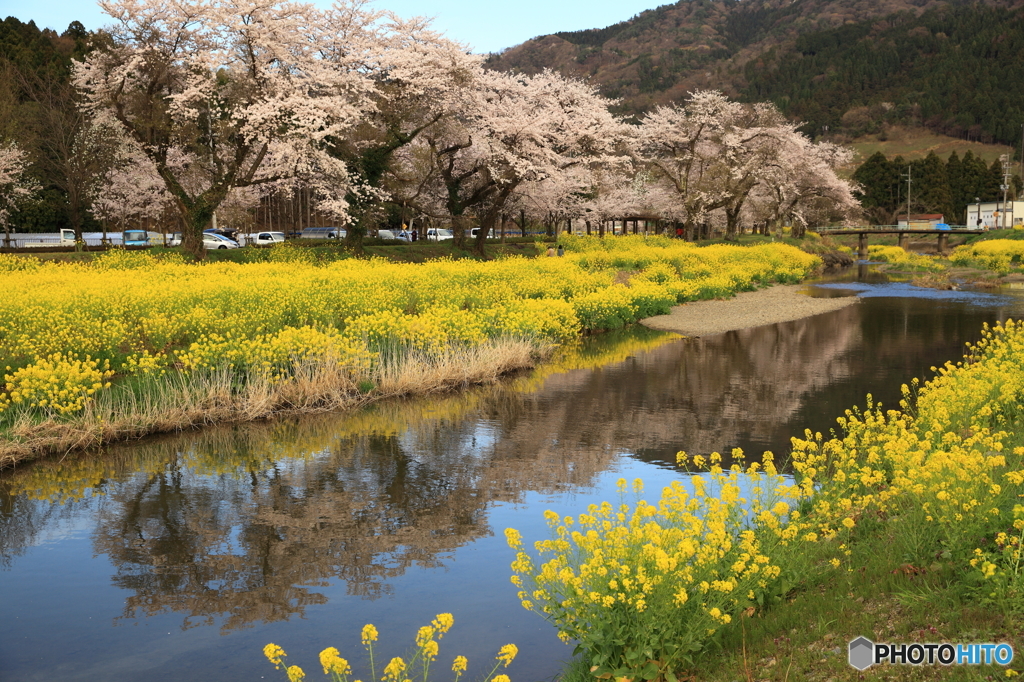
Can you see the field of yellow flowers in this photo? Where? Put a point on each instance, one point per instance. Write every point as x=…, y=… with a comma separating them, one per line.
x=998, y=255
x=647, y=589
x=131, y=344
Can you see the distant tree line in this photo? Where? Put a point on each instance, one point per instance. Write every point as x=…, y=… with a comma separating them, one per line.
x=39, y=111
x=936, y=186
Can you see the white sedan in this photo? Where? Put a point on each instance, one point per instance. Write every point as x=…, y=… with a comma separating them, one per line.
x=439, y=234
x=216, y=241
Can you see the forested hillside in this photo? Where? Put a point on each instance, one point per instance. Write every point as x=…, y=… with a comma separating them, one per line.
x=844, y=67
x=956, y=70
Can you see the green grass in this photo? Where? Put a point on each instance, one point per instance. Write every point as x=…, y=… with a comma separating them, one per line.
x=806, y=636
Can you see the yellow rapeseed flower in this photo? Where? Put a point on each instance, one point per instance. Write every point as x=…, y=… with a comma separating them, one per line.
x=274, y=653
x=507, y=654
x=394, y=669
x=332, y=661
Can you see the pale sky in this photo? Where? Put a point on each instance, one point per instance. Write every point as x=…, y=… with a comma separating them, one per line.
x=486, y=25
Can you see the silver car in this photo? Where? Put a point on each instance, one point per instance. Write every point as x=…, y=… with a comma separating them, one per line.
x=216, y=241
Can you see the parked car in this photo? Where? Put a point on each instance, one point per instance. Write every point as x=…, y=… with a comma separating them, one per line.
x=216, y=241
x=323, y=233
x=135, y=238
x=475, y=231
x=262, y=238
x=439, y=234
x=174, y=239
x=386, y=234
x=224, y=232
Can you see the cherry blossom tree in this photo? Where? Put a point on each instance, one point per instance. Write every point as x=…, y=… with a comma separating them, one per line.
x=683, y=146
x=241, y=91
x=14, y=183
x=751, y=147
x=419, y=79
x=801, y=185
x=131, y=189
x=622, y=191
x=511, y=130
x=558, y=198
x=718, y=155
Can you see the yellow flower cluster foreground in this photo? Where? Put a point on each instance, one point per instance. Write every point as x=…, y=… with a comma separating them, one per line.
x=397, y=669
x=643, y=588
x=65, y=328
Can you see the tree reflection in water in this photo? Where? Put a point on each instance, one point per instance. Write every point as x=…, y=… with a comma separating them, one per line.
x=240, y=525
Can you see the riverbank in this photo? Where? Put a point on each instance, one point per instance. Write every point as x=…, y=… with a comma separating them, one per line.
x=779, y=303
x=904, y=528
x=180, y=402
x=198, y=344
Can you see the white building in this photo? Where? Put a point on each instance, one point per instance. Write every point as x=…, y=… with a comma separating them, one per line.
x=991, y=215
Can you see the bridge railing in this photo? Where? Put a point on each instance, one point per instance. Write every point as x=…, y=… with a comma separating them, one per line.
x=889, y=228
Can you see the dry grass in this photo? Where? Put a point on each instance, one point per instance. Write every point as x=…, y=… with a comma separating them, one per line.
x=916, y=143
x=179, y=402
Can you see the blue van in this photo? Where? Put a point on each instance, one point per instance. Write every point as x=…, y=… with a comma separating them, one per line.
x=135, y=238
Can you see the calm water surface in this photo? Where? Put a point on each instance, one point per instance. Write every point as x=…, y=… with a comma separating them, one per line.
x=180, y=557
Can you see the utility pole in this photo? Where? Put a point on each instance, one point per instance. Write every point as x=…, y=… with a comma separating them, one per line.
x=1005, y=159
x=909, y=180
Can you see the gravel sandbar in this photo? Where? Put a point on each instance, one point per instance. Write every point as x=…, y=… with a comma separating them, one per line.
x=780, y=303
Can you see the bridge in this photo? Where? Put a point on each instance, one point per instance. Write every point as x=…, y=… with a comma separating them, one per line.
x=904, y=233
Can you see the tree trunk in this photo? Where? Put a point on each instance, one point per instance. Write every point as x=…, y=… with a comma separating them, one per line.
x=195, y=220
x=490, y=218
x=356, y=232
x=732, y=220
x=459, y=225
x=689, y=231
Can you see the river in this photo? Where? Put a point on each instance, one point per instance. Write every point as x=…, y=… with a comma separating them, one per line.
x=181, y=556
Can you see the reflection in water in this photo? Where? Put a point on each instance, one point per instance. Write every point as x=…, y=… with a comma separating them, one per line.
x=243, y=526
x=240, y=522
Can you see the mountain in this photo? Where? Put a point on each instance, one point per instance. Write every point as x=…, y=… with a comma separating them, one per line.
x=845, y=67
